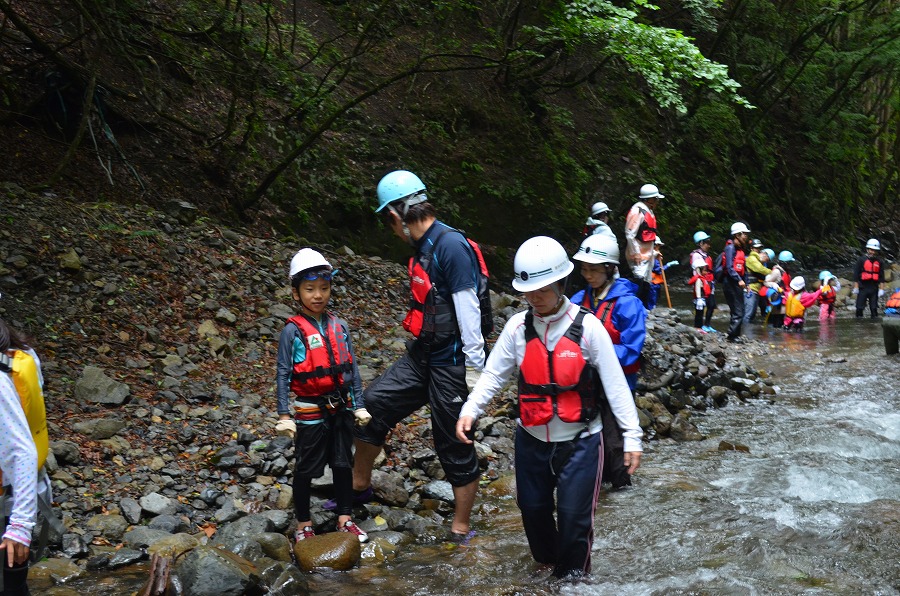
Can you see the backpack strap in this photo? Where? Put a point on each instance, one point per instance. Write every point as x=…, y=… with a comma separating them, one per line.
x=530, y=333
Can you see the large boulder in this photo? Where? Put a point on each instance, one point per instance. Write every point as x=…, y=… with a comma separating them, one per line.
x=337, y=550
x=210, y=571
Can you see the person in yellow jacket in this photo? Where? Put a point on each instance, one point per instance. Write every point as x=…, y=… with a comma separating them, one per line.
x=796, y=301
x=757, y=271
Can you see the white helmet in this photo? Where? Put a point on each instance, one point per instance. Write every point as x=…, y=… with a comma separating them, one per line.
x=597, y=249
x=697, y=262
x=873, y=244
x=539, y=262
x=599, y=208
x=307, y=258
x=659, y=241
x=649, y=191
x=798, y=283
x=739, y=227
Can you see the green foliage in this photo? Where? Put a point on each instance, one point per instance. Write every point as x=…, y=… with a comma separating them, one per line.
x=517, y=113
x=665, y=58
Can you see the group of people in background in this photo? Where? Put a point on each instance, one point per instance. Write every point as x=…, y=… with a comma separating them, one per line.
x=752, y=277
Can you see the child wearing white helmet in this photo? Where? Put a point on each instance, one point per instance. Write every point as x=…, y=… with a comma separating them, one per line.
x=868, y=279
x=702, y=240
x=319, y=392
x=796, y=301
x=829, y=286
x=558, y=436
x=701, y=284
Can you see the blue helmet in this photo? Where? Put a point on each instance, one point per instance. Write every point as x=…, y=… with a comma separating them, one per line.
x=785, y=256
x=769, y=253
x=398, y=185
x=700, y=236
x=825, y=275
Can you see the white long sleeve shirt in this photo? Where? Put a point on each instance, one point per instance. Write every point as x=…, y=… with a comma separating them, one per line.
x=468, y=316
x=597, y=347
x=639, y=254
x=18, y=461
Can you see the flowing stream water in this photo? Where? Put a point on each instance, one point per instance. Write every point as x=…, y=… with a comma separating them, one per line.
x=813, y=506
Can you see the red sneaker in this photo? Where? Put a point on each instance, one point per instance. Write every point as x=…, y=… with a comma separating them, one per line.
x=304, y=533
x=352, y=528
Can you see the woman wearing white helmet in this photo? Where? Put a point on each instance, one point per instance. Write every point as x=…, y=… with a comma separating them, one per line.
x=598, y=221
x=558, y=438
x=640, y=235
x=868, y=279
x=613, y=301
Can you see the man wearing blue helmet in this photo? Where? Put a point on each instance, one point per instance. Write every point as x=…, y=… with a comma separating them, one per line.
x=449, y=319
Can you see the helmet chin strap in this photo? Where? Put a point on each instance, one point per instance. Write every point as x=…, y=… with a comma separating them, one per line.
x=406, y=233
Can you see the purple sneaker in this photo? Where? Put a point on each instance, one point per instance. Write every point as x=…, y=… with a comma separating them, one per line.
x=359, y=498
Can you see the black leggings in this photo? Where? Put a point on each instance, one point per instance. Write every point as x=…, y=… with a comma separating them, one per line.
x=343, y=489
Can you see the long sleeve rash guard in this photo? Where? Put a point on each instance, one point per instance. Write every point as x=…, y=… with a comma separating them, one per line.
x=597, y=347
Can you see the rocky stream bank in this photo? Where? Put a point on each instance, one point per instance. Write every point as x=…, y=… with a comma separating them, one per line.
x=158, y=332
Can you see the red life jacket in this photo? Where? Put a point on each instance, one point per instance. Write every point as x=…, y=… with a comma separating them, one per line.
x=327, y=367
x=559, y=382
x=871, y=270
x=706, y=257
x=893, y=301
x=431, y=317
x=738, y=262
x=707, y=288
x=646, y=232
x=786, y=279
x=828, y=295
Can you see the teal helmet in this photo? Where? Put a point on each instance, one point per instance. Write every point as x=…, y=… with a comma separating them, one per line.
x=769, y=253
x=825, y=275
x=785, y=256
x=398, y=185
x=700, y=237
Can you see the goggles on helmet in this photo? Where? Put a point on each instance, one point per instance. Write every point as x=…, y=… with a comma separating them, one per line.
x=323, y=275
